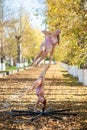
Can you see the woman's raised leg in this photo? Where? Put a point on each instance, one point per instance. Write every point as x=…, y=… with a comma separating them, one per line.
x=37, y=56
x=41, y=58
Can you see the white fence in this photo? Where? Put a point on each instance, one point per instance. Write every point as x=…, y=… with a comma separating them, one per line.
x=2, y=66
x=81, y=74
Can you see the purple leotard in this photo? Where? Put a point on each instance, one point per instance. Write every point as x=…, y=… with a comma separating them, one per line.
x=49, y=42
x=40, y=91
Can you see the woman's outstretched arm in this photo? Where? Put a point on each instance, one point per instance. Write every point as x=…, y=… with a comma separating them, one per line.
x=52, y=51
x=48, y=65
x=46, y=32
x=43, y=72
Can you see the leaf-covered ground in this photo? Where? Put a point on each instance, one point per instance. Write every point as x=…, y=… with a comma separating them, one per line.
x=61, y=91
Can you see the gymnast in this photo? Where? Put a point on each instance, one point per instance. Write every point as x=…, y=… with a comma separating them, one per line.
x=39, y=85
x=47, y=46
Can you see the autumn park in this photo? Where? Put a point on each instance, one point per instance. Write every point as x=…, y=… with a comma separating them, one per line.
x=43, y=65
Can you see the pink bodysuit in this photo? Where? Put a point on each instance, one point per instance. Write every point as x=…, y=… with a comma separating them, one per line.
x=40, y=90
x=40, y=93
x=49, y=42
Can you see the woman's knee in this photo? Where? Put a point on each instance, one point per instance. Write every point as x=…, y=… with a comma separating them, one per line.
x=43, y=49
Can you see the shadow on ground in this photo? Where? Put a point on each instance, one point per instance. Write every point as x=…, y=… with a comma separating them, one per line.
x=67, y=85
x=78, y=122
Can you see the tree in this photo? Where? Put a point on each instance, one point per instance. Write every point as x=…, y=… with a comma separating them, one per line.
x=5, y=22
x=70, y=17
x=31, y=40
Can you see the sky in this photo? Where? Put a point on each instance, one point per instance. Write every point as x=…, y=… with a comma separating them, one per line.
x=31, y=7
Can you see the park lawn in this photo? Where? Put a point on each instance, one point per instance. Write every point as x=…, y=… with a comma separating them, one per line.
x=61, y=91
x=9, y=68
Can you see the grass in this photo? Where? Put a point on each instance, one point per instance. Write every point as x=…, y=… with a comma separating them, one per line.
x=9, y=68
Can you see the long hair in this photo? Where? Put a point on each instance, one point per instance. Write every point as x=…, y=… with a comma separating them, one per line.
x=58, y=37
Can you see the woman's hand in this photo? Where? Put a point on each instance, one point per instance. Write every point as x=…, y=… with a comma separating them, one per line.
x=46, y=32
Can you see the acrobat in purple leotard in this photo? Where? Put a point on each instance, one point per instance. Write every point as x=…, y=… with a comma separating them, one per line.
x=49, y=42
x=40, y=93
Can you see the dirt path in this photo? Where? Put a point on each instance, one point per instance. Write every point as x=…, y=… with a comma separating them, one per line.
x=61, y=91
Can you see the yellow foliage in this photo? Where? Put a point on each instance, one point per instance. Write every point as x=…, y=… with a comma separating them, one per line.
x=69, y=17
x=31, y=40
